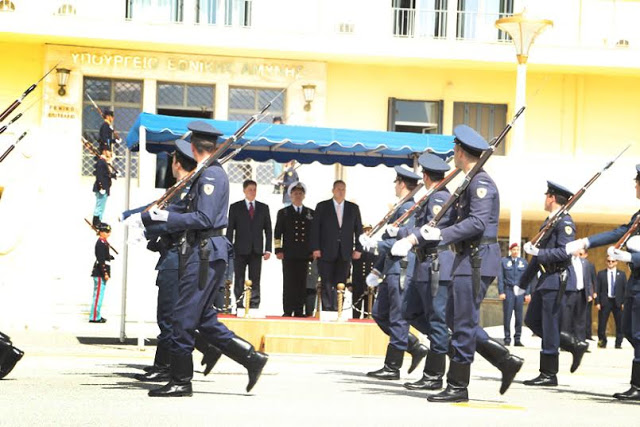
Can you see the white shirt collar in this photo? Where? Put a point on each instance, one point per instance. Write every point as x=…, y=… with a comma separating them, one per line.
x=246, y=202
x=336, y=204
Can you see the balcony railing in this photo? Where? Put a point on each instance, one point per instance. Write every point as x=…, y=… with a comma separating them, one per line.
x=420, y=23
x=480, y=26
x=155, y=11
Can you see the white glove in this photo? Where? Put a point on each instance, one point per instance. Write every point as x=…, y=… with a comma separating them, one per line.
x=430, y=233
x=619, y=254
x=576, y=245
x=103, y=192
x=134, y=221
x=158, y=214
x=401, y=247
x=633, y=244
x=392, y=231
x=530, y=249
x=119, y=140
x=136, y=236
x=364, y=240
x=372, y=279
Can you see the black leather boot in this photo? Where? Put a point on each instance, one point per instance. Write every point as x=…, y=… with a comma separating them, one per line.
x=499, y=356
x=417, y=350
x=457, y=383
x=243, y=352
x=96, y=221
x=577, y=348
x=211, y=353
x=160, y=370
x=181, y=375
x=634, y=392
x=9, y=356
x=432, y=375
x=392, y=364
x=548, y=371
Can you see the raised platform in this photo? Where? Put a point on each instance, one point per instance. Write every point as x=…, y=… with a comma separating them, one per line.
x=310, y=336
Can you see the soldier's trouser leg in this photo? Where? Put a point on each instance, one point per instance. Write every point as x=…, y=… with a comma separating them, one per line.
x=533, y=318
x=413, y=306
x=634, y=392
x=381, y=307
x=299, y=288
x=398, y=326
x=550, y=322
x=99, y=287
x=518, y=308
x=507, y=311
x=631, y=322
x=101, y=204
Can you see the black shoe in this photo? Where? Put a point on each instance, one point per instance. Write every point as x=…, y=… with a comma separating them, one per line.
x=172, y=389
x=457, y=382
x=425, y=383
x=150, y=368
x=243, y=352
x=9, y=357
x=519, y=344
x=392, y=364
x=96, y=221
x=619, y=345
x=634, y=392
x=577, y=348
x=103, y=320
x=211, y=353
x=417, y=350
x=544, y=380
x=181, y=375
x=602, y=344
x=590, y=339
x=160, y=375
x=507, y=343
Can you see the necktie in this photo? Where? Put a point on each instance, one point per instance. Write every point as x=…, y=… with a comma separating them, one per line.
x=299, y=209
x=613, y=286
x=339, y=214
x=251, y=210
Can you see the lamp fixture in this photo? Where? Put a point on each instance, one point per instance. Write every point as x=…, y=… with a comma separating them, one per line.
x=523, y=32
x=309, y=92
x=63, y=77
x=7, y=6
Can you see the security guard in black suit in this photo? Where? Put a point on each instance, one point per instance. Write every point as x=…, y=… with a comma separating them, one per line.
x=9, y=355
x=205, y=257
x=544, y=314
x=292, y=246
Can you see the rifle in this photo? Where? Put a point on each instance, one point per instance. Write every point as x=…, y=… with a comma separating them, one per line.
x=550, y=225
x=115, y=132
x=97, y=232
x=10, y=149
x=95, y=152
x=235, y=152
x=423, y=201
x=395, y=207
x=194, y=174
x=18, y=101
x=630, y=232
x=15, y=119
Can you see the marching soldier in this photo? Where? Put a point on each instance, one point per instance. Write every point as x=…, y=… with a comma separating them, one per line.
x=631, y=312
x=292, y=246
x=387, y=310
x=557, y=277
x=207, y=253
x=9, y=355
x=424, y=302
x=476, y=265
x=360, y=270
x=169, y=276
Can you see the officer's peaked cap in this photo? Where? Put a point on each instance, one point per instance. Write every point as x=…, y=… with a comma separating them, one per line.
x=553, y=188
x=104, y=227
x=406, y=174
x=184, y=147
x=296, y=185
x=432, y=163
x=203, y=130
x=469, y=139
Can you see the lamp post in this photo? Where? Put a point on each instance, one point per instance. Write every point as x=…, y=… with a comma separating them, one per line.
x=523, y=32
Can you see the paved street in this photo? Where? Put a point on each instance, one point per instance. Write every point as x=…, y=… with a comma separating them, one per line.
x=62, y=381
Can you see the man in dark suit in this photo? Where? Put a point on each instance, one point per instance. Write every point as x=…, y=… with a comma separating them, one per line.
x=293, y=248
x=590, y=273
x=334, y=231
x=611, y=289
x=250, y=221
x=573, y=311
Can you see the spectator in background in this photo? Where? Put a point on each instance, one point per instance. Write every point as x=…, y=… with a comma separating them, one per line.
x=610, y=299
x=590, y=274
x=512, y=296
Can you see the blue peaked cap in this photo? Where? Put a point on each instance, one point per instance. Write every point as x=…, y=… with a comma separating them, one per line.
x=203, y=130
x=469, y=139
x=432, y=163
x=405, y=173
x=553, y=188
x=184, y=147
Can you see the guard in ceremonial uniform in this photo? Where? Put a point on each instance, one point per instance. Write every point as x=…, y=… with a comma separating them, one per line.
x=102, y=185
x=631, y=312
x=424, y=302
x=475, y=266
x=359, y=271
x=290, y=176
x=101, y=272
x=512, y=295
x=106, y=137
x=167, y=245
x=395, y=273
x=205, y=254
x=292, y=246
x=556, y=277
x=9, y=355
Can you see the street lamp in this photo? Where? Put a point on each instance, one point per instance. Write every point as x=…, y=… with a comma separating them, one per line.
x=523, y=32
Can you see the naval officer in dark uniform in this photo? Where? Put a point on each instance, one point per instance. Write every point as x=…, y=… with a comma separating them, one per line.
x=631, y=312
x=391, y=275
x=424, y=302
x=292, y=246
x=207, y=254
x=475, y=266
x=557, y=276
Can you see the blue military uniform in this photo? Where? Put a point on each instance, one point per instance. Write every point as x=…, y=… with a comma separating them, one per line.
x=206, y=257
x=387, y=309
x=511, y=270
x=631, y=312
x=545, y=309
x=476, y=265
x=424, y=305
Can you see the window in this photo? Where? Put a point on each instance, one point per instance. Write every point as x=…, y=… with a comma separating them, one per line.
x=125, y=98
x=155, y=10
x=243, y=103
x=476, y=19
x=488, y=119
x=419, y=18
x=415, y=116
x=236, y=13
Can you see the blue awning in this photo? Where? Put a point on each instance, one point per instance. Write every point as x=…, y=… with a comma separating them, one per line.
x=305, y=144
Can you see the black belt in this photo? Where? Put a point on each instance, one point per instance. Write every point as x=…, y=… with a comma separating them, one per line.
x=461, y=247
x=555, y=267
x=423, y=253
x=195, y=236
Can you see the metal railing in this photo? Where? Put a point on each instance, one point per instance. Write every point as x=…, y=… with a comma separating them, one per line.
x=419, y=23
x=480, y=26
